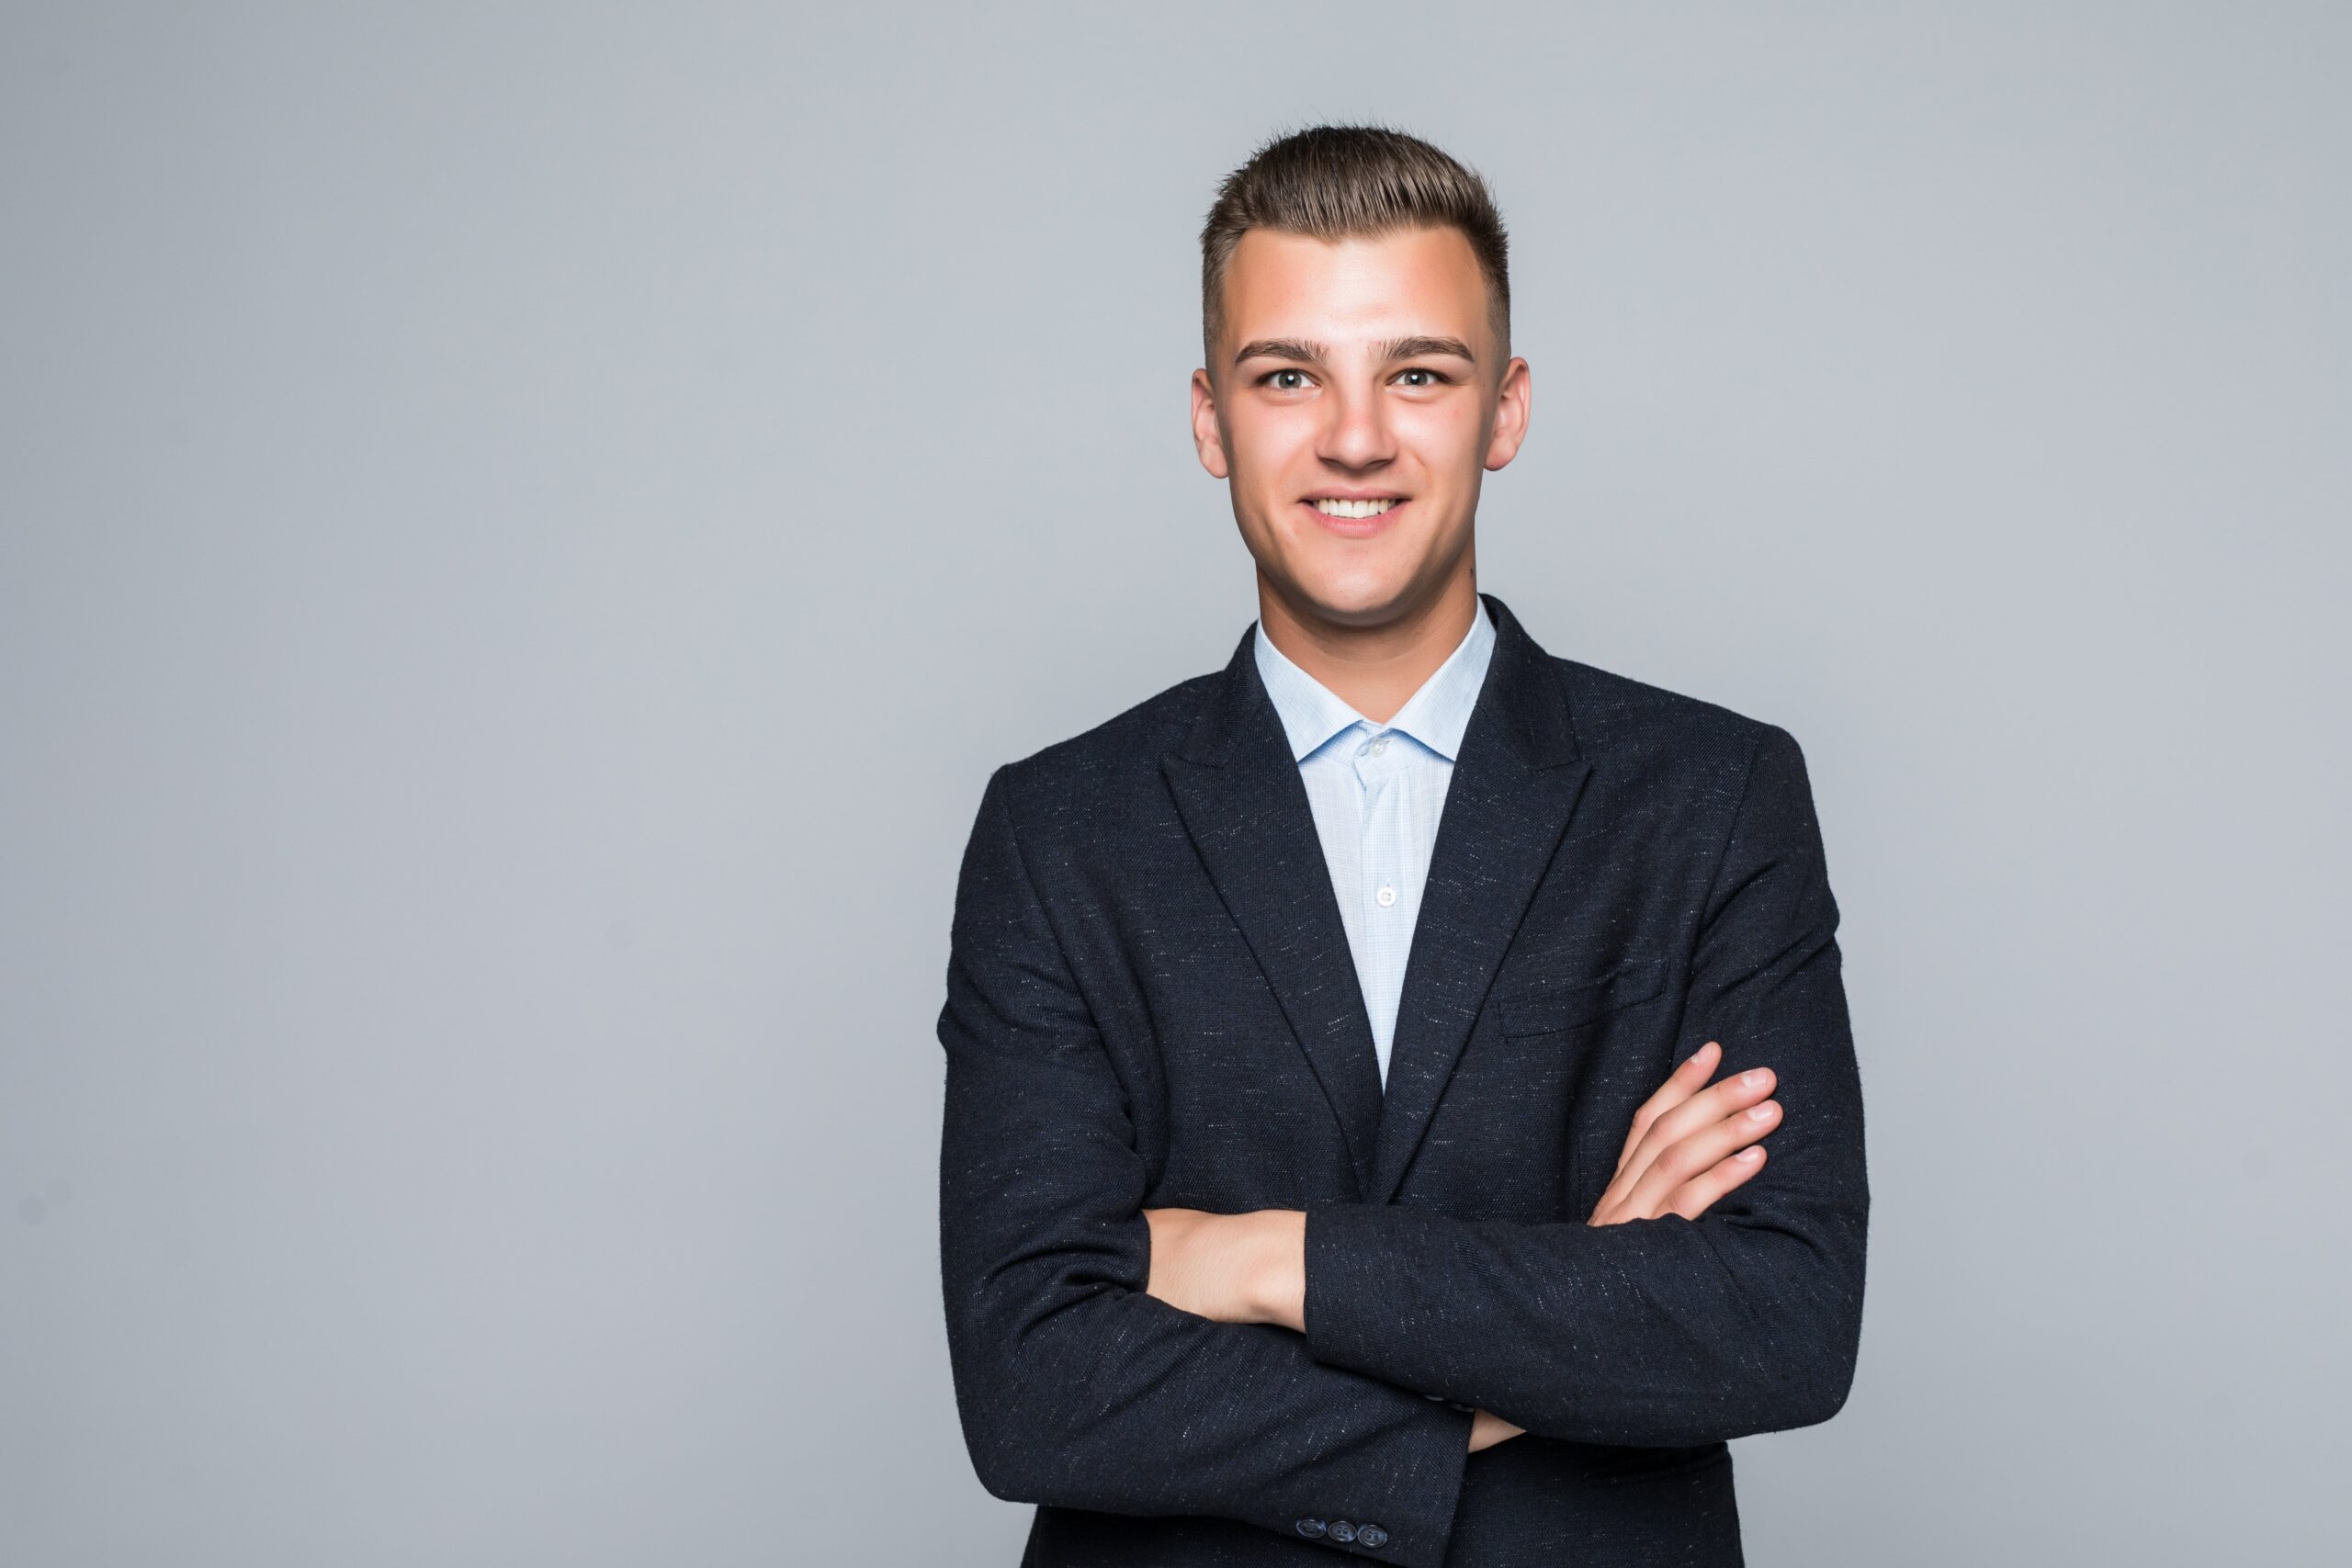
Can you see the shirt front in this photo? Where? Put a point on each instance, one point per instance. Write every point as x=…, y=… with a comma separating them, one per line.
x=1377, y=791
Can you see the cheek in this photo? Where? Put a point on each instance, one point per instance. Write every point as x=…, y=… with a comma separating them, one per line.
x=1444, y=438
x=1267, y=446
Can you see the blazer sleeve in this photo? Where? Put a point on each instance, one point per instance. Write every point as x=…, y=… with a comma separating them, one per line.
x=1667, y=1332
x=1074, y=1386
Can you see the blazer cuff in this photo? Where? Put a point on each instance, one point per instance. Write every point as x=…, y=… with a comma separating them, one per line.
x=1347, y=1316
x=1407, y=1514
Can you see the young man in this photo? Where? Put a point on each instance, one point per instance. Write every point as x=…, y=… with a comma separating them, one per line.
x=1318, y=1175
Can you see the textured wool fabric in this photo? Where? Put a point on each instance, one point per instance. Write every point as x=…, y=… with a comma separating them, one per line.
x=1151, y=1002
x=1376, y=791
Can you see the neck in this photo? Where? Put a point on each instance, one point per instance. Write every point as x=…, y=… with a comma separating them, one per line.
x=1375, y=668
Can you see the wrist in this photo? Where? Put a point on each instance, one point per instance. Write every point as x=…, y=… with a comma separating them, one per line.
x=1275, y=1273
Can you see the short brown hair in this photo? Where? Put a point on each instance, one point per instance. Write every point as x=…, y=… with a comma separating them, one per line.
x=1351, y=181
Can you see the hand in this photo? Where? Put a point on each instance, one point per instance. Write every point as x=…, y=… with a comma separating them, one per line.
x=1248, y=1268
x=1486, y=1429
x=1691, y=1145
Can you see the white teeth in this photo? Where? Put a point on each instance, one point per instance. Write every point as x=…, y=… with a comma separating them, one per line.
x=1353, y=508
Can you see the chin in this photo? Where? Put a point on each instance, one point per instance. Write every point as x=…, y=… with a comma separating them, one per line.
x=1353, y=597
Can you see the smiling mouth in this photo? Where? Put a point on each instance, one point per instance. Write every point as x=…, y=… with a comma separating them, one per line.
x=1354, y=508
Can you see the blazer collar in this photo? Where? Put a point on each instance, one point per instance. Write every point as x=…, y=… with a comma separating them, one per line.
x=1515, y=782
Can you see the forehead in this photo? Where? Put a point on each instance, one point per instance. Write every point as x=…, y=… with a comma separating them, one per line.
x=1410, y=281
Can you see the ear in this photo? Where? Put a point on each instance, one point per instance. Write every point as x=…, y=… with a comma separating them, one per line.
x=1207, y=439
x=1514, y=404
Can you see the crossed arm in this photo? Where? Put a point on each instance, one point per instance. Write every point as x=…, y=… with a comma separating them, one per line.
x=1688, y=1145
x=1078, y=1385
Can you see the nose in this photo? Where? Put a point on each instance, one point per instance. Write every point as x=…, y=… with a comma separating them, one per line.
x=1356, y=433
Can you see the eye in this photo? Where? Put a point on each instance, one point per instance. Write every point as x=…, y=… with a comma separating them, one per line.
x=1435, y=377
x=1270, y=375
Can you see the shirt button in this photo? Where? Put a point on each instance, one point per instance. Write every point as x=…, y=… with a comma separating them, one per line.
x=1386, y=897
x=1310, y=1528
x=1379, y=745
x=1372, y=1536
x=1343, y=1530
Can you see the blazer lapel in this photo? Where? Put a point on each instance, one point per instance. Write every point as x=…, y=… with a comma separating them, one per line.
x=1244, y=805
x=1515, y=783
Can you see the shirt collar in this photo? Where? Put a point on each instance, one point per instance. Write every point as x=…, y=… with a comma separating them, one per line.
x=1436, y=716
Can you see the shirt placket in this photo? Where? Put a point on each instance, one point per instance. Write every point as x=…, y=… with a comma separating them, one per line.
x=1379, y=763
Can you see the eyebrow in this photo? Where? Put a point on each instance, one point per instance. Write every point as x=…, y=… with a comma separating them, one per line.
x=1307, y=352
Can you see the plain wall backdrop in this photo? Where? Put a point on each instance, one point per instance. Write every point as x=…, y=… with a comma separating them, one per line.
x=523, y=531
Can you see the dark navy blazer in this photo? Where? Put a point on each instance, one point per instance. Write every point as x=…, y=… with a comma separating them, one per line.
x=1151, y=1002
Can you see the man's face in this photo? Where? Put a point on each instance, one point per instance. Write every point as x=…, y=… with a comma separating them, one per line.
x=1353, y=372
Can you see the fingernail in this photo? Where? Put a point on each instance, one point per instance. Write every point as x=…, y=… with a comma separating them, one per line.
x=1761, y=1112
x=1751, y=1154
x=1754, y=1079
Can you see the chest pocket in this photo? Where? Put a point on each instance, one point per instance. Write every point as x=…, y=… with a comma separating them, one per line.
x=1557, y=1008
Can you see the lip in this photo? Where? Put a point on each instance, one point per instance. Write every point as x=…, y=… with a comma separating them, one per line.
x=1354, y=527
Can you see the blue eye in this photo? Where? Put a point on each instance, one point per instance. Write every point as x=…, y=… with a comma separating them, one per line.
x=1272, y=374
x=1423, y=370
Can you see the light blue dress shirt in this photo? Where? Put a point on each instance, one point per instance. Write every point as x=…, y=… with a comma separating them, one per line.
x=1377, y=791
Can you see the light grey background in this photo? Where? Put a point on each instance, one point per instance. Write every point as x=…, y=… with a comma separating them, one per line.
x=525, y=530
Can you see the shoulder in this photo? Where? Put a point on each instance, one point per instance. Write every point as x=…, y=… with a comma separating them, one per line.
x=1100, y=767
x=1637, y=727
x=1669, y=752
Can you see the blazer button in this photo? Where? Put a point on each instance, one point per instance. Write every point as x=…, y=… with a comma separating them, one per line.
x=1310, y=1528
x=1372, y=1536
x=1343, y=1530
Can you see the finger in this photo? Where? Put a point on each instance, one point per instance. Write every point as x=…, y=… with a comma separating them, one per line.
x=1679, y=1119
x=1666, y=1121
x=1686, y=1080
x=1699, y=1152
x=1698, y=1195
x=1709, y=1105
